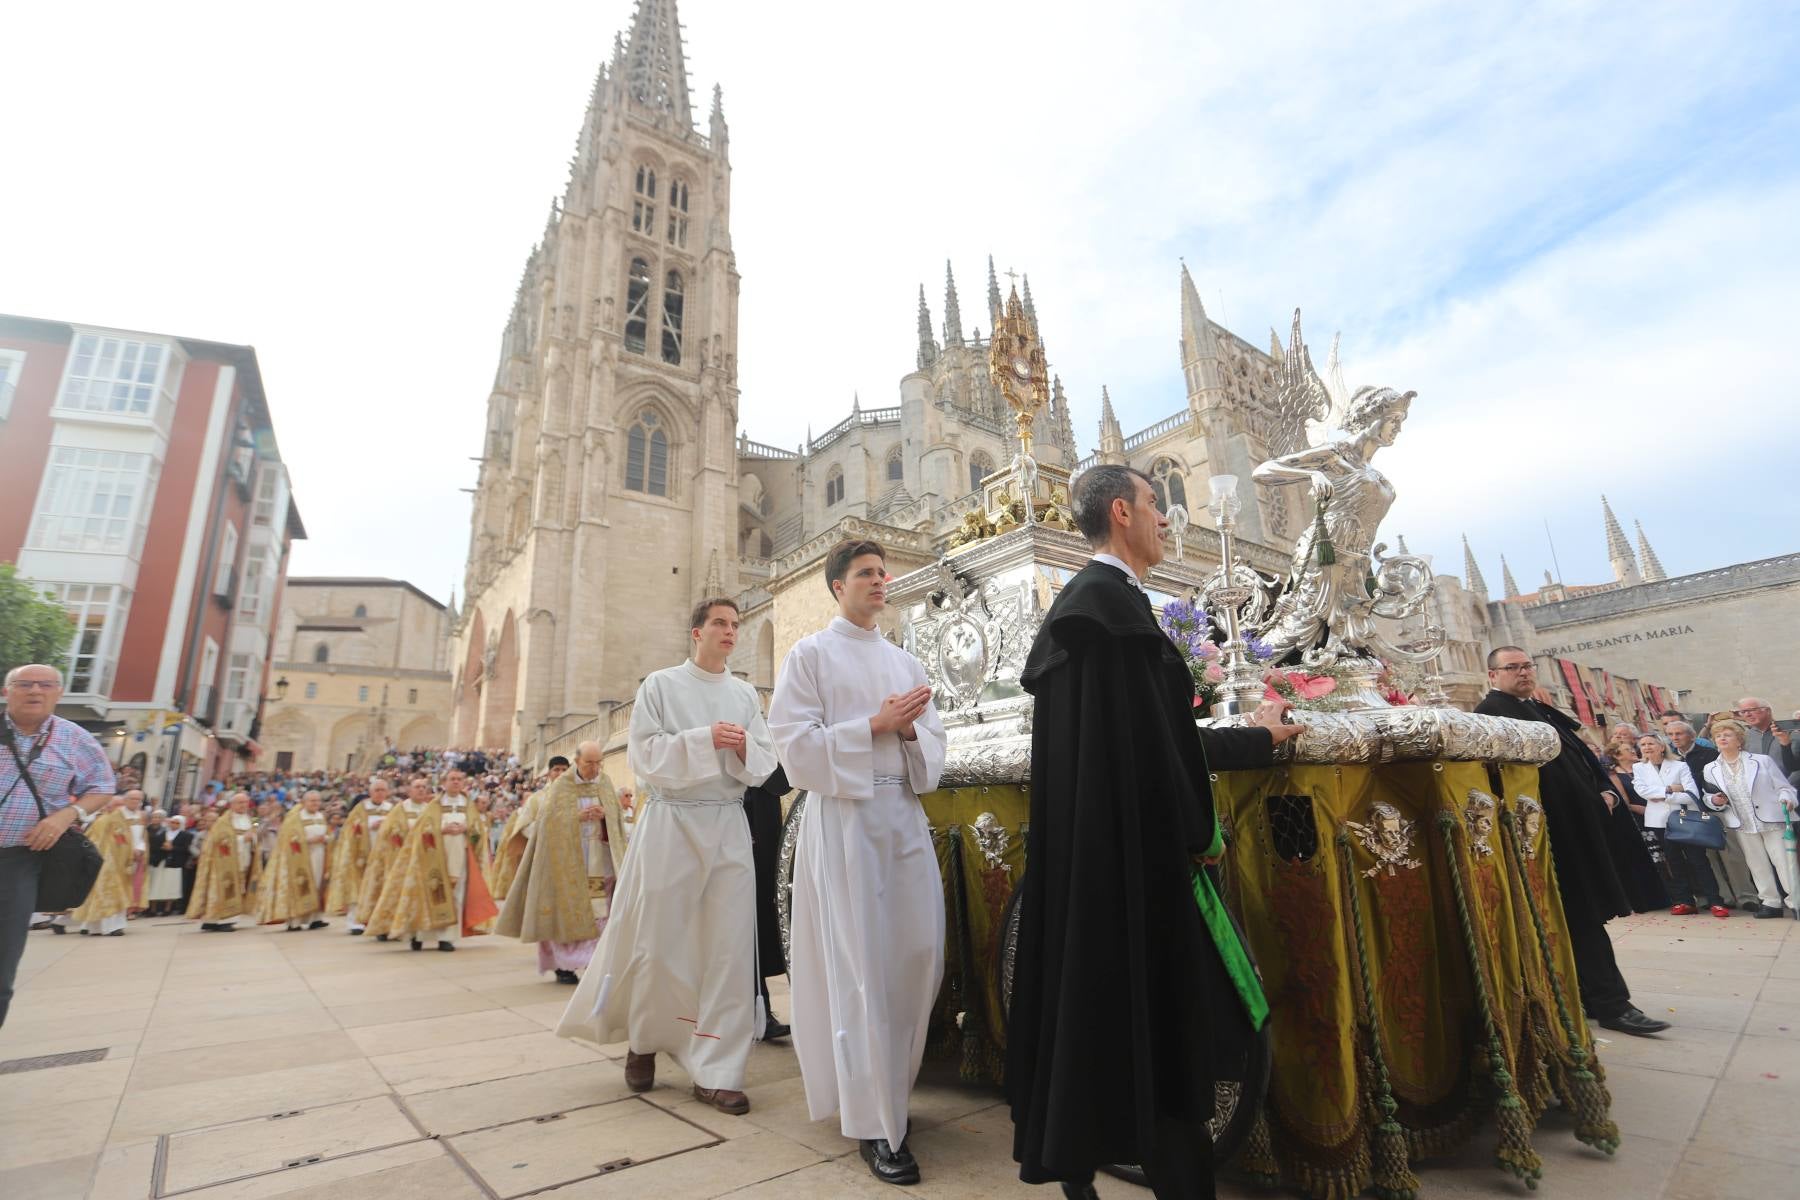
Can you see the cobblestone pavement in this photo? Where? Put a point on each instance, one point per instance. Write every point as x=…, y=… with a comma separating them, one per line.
x=262, y=1064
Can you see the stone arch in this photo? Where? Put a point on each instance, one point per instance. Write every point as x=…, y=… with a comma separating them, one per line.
x=348, y=741
x=292, y=730
x=500, y=693
x=470, y=684
x=425, y=730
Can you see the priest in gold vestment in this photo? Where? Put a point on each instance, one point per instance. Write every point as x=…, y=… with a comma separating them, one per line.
x=507, y=865
x=229, y=869
x=294, y=876
x=103, y=912
x=356, y=842
x=385, y=847
x=436, y=888
x=567, y=849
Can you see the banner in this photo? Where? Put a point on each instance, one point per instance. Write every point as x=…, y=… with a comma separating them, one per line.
x=1578, y=689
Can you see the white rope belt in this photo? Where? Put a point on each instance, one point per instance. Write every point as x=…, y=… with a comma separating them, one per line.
x=697, y=803
x=890, y=781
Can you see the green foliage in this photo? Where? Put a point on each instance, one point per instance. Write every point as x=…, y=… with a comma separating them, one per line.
x=33, y=628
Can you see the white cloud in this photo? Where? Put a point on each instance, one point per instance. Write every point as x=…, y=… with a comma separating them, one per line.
x=1513, y=211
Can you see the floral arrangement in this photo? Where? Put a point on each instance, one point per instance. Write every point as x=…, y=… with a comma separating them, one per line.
x=1199, y=643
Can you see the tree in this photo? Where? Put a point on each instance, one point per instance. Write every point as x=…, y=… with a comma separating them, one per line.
x=33, y=627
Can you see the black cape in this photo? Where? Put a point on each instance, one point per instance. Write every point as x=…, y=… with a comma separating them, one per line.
x=1122, y=1013
x=762, y=807
x=1595, y=855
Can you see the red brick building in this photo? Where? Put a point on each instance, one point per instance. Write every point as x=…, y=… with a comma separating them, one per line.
x=147, y=494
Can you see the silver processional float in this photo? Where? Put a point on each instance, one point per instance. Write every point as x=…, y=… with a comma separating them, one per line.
x=1391, y=816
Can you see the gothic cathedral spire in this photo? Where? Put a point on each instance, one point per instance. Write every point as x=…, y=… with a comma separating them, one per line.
x=1507, y=581
x=994, y=307
x=655, y=70
x=1472, y=571
x=928, y=348
x=1618, y=550
x=952, y=310
x=1652, y=566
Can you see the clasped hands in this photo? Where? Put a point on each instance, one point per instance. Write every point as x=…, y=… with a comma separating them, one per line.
x=726, y=736
x=899, y=711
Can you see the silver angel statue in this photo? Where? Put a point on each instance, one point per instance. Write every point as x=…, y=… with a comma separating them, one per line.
x=1327, y=610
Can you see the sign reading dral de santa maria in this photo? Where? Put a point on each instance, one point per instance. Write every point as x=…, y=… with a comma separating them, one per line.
x=1720, y=634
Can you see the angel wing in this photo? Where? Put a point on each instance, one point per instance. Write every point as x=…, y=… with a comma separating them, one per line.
x=1300, y=397
x=1335, y=385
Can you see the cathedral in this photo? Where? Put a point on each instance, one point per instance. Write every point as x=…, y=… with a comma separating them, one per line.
x=618, y=481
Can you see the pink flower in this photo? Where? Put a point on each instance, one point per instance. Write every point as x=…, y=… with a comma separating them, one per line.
x=1209, y=650
x=1214, y=673
x=1304, y=686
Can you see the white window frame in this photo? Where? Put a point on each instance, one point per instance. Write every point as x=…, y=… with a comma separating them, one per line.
x=209, y=674
x=269, y=497
x=362, y=694
x=12, y=369
x=77, y=477
x=239, y=670
x=83, y=600
x=250, y=588
x=312, y=690
x=104, y=378
x=228, y=546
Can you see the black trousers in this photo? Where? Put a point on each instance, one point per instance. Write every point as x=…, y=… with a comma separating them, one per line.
x=1603, y=990
x=18, y=898
x=1691, y=878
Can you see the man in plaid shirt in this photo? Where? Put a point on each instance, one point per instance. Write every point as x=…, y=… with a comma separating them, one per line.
x=70, y=772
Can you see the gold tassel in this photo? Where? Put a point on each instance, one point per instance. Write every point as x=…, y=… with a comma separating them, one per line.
x=1393, y=1174
x=1514, y=1153
x=1592, y=1104
x=1256, y=1158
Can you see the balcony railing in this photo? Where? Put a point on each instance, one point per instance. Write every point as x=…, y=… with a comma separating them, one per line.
x=1165, y=426
x=859, y=419
x=751, y=449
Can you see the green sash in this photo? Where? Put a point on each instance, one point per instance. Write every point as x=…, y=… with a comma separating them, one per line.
x=1225, y=937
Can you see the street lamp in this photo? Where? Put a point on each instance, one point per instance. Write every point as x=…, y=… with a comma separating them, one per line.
x=281, y=687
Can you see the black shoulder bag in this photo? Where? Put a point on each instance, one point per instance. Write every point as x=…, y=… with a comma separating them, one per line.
x=67, y=870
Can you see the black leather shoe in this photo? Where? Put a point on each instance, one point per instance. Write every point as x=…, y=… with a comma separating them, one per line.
x=774, y=1030
x=1633, y=1022
x=116, y=933
x=382, y=937
x=356, y=933
x=318, y=924
x=1750, y=905
x=84, y=932
x=58, y=930
x=1080, y=1191
x=417, y=944
x=887, y=1164
x=567, y=977
x=446, y=947
x=1765, y=912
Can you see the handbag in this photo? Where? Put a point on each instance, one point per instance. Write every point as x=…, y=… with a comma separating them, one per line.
x=67, y=870
x=1702, y=830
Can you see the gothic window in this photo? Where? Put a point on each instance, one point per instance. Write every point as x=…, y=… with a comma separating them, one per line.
x=678, y=214
x=362, y=610
x=647, y=455
x=671, y=319
x=980, y=467
x=1165, y=478
x=321, y=653
x=637, y=306
x=896, y=469
x=643, y=203
x=834, y=486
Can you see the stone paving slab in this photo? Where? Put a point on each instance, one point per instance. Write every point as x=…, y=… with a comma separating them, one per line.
x=432, y=1075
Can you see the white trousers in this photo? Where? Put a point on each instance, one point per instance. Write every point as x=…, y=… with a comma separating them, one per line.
x=105, y=924
x=1769, y=860
x=675, y=968
x=352, y=922
x=316, y=861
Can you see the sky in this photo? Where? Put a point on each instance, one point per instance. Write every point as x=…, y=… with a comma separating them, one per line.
x=1573, y=229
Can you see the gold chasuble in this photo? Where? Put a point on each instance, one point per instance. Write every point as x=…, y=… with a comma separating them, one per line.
x=349, y=860
x=419, y=894
x=507, y=865
x=111, y=893
x=287, y=892
x=224, y=881
x=385, y=845
x=553, y=893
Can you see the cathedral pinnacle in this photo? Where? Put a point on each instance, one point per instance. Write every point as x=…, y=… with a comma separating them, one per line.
x=1507, y=580
x=1652, y=566
x=656, y=71
x=952, y=310
x=928, y=348
x=1030, y=308
x=1275, y=351
x=1618, y=550
x=1472, y=571
x=994, y=307
x=1193, y=313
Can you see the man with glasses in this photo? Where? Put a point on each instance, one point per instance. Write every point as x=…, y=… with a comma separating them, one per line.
x=66, y=768
x=1577, y=800
x=1767, y=738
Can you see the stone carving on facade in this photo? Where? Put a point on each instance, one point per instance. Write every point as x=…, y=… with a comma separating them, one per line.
x=1388, y=837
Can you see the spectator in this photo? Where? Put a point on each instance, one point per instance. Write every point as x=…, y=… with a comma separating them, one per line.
x=1761, y=801
x=1762, y=736
x=1664, y=783
x=48, y=761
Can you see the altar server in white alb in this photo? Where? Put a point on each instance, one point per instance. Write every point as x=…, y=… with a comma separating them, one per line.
x=855, y=727
x=675, y=969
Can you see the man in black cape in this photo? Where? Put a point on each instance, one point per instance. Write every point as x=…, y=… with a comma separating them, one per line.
x=1126, y=1005
x=762, y=807
x=1591, y=866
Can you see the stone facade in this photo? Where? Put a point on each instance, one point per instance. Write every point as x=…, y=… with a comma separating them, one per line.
x=364, y=663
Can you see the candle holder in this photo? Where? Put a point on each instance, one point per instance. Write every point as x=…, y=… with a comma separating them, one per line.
x=1241, y=691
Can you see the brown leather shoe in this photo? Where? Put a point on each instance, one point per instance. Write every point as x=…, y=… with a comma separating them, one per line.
x=734, y=1103
x=640, y=1071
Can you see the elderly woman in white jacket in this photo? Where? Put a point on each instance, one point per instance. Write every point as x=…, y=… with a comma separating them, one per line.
x=1664, y=783
x=1760, y=800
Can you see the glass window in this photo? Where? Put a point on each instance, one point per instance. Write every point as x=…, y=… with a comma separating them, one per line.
x=643, y=203
x=1167, y=483
x=678, y=214
x=94, y=500
x=12, y=366
x=312, y=691
x=239, y=675
x=637, y=306
x=896, y=469
x=321, y=653
x=980, y=467
x=647, y=455
x=270, y=497
x=98, y=613
x=227, y=561
x=362, y=694
x=671, y=319
x=253, y=587
x=362, y=610
x=412, y=695
x=834, y=486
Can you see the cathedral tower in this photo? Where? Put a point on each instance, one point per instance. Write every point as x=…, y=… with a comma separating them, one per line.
x=608, y=475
